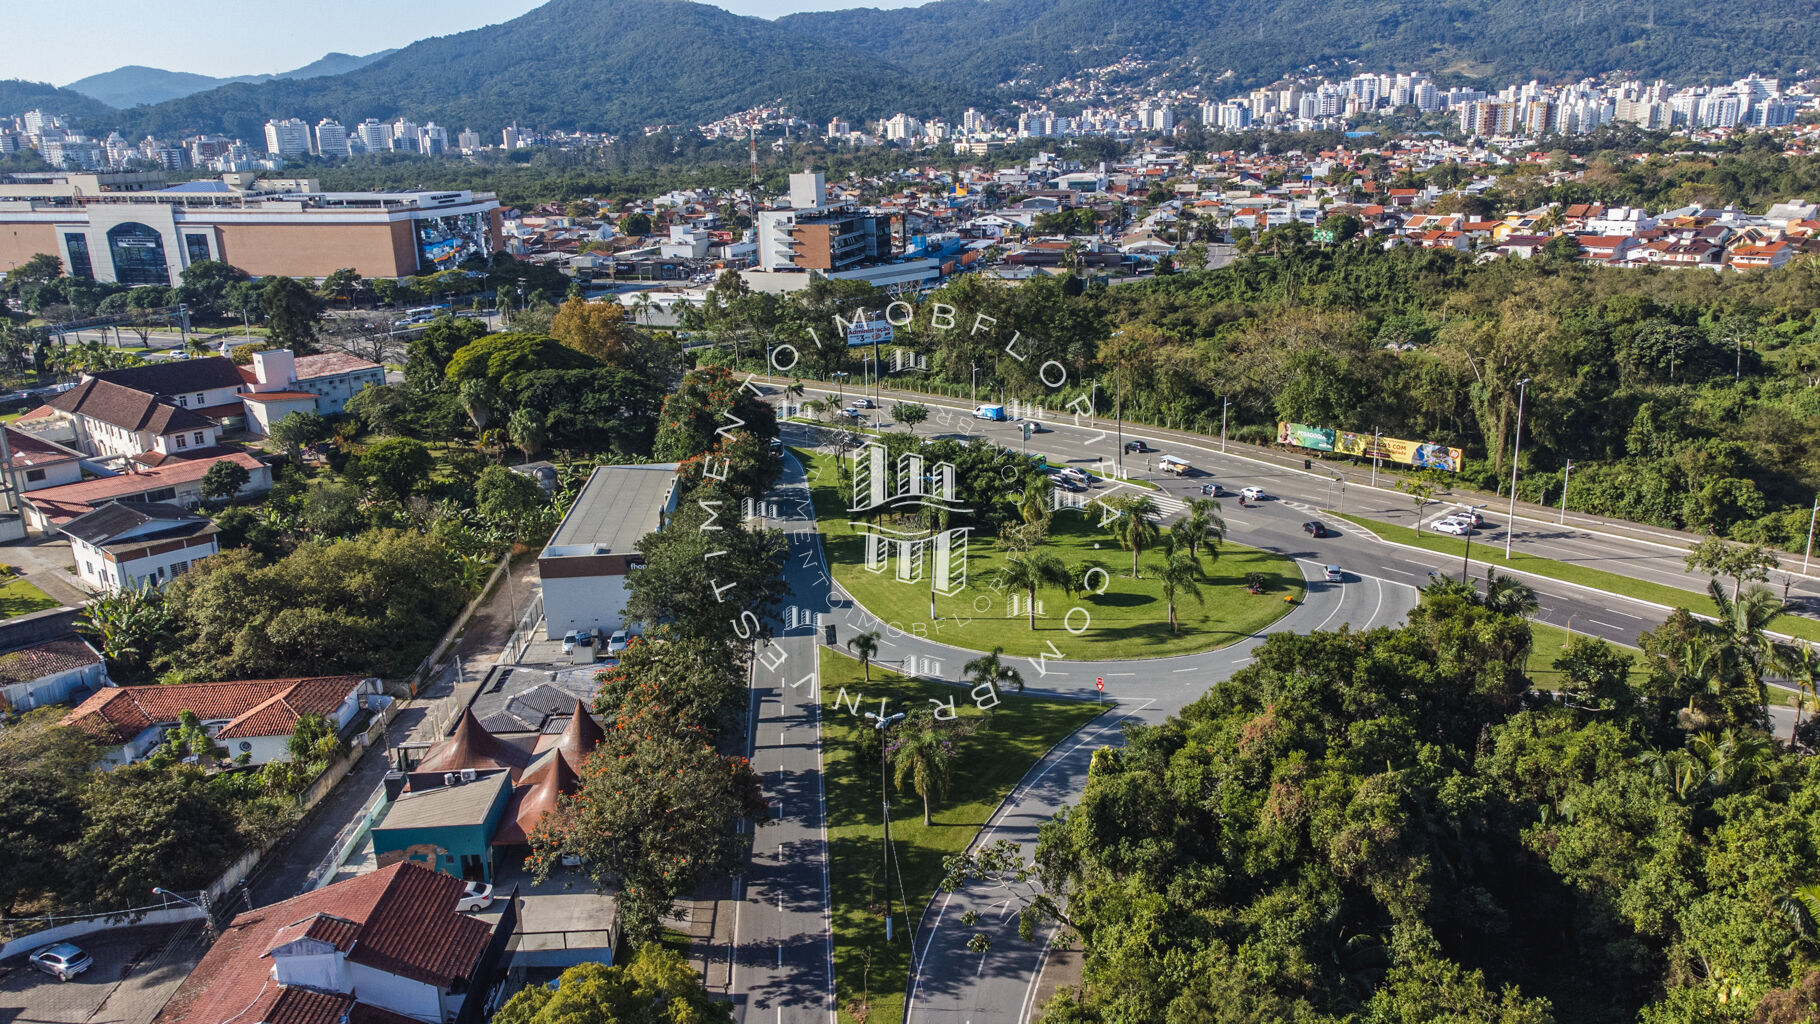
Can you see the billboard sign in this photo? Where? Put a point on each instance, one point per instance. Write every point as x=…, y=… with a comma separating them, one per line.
x=869, y=332
x=1301, y=435
x=1420, y=454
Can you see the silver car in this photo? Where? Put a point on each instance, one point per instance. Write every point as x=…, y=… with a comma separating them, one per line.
x=62, y=960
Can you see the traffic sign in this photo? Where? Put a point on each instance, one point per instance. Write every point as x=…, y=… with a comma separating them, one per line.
x=1099, y=682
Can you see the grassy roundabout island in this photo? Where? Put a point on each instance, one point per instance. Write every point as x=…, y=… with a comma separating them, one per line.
x=1128, y=620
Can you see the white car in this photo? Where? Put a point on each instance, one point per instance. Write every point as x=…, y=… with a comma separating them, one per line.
x=474, y=896
x=568, y=641
x=1253, y=494
x=617, y=642
x=62, y=960
x=1455, y=527
x=1335, y=575
x=862, y=403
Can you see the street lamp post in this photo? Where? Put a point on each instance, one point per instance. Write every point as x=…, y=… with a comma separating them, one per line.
x=208, y=916
x=976, y=385
x=1565, y=477
x=1510, y=520
x=1224, y=404
x=883, y=724
x=1466, y=559
x=1810, y=534
x=1374, y=456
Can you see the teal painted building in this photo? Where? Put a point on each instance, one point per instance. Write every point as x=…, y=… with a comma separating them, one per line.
x=448, y=828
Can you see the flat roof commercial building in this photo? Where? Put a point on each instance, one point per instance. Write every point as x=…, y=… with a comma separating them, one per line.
x=584, y=567
x=123, y=228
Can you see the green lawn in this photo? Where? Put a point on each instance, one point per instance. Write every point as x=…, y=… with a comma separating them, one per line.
x=1015, y=736
x=1128, y=620
x=1598, y=579
x=18, y=597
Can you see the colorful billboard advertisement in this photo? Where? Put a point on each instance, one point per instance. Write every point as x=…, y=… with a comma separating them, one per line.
x=1420, y=454
x=869, y=332
x=1302, y=435
x=444, y=242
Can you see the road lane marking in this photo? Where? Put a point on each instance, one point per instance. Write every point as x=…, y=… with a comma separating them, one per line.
x=1607, y=625
x=1191, y=668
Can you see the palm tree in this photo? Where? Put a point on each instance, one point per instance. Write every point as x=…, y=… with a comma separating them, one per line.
x=1733, y=760
x=1134, y=528
x=1802, y=906
x=865, y=647
x=527, y=431
x=479, y=400
x=1802, y=663
x=1179, y=575
x=1745, y=621
x=923, y=755
x=641, y=305
x=1029, y=573
x=1200, y=527
x=1508, y=596
x=989, y=670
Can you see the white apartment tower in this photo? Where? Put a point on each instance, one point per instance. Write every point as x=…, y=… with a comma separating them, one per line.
x=289, y=137
x=331, y=138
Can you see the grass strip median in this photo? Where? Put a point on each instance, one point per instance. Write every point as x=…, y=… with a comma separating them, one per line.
x=869, y=970
x=1567, y=572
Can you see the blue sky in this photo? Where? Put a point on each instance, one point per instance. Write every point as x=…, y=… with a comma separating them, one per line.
x=59, y=41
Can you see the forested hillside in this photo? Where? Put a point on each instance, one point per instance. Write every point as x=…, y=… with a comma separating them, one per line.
x=1382, y=827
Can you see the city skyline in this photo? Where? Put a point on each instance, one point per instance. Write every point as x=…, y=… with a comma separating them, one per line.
x=220, y=39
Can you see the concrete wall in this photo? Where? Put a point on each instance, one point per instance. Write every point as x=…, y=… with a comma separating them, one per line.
x=576, y=602
x=395, y=993
x=54, y=689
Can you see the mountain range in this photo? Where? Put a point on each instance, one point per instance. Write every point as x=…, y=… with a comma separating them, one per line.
x=136, y=85
x=617, y=65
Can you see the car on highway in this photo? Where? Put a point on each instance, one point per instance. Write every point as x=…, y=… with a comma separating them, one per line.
x=852, y=413
x=1470, y=515
x=1315, y=528
x=862, y=403
x=61, y=960
x=1036, y=427
x=1066, y=483
x=1454, y=527
x=1253, y=494
x=1213, y=490
x=1137, y=445
x=777, y=446
x=474, y=896
x=1076, y=476
x=1334, y=575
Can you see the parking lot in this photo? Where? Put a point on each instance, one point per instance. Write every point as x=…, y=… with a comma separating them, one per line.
x=136, y=971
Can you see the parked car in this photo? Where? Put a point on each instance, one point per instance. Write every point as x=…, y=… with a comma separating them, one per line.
x=1334, y=575
x=617, y=642
x=1470, y=515
x=1136, y=445
x=62, y=960
x=1315, y=528
x=568, y=641
x=474, y=896
x=1213, y=490
x=1253, y=494
x=1066, y=483
x=1455, y=527
x=1076, y=476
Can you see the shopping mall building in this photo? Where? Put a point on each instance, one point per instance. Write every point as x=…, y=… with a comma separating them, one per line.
x=131, y=228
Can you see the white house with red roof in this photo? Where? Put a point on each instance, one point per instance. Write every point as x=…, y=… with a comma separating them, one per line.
x=176, y=481
x=255, y=717
x=279, y=384
x=387, y=947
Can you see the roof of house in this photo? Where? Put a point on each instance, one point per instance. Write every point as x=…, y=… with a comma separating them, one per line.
x=472, y=746
x=183, y=376
x=406, y=925
x=101, y=526
x=24, y=664
x=118, y=713
x=331, y=364
x=127, y=408
x=538, y=797
x=279, y=396
x=67, y=501
x=29, y=450
x=465, y=803
x=617, y=506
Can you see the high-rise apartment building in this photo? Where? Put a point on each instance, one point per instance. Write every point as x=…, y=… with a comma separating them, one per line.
x=331, y=138
x=289, y=137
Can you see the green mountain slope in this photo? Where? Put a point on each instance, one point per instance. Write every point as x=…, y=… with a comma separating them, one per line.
x=135, y=85
x=18, y=96
x=611, y=65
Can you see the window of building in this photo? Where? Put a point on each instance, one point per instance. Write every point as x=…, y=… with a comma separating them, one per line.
x=161, y=494
x=179, y=568
x=80, y=264
x=200, y=399
x=197, y=246
x=88, y=568
x=138, y=255
x=182, y=442
x=183, y=400
x=201, y=438
x=34, y=475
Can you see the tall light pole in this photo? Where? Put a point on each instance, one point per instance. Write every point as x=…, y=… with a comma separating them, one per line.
x=208, y=916
x=1810, y=534
x=976, y=385
x=1118, y=407
x=1466, y=559
x=1569, y=475
x=1510, y=520
x=1225, y=403
x=883, y=725
x=1374, y=456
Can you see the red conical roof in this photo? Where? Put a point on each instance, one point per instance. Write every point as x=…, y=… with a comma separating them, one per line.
x=536, y=798
x=580, y=737
x=472, y=746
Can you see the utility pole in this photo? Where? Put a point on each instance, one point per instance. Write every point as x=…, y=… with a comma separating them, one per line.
x=1374, y=455
x=1510, y=520
x=1810, y=534
x=1569, y=475
x=1224, y=404
x=883, y=725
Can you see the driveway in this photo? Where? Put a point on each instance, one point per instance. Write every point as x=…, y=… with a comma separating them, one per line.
x=136, y=971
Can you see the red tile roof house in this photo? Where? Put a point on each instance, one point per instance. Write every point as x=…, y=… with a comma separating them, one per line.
x=1757, y=257
x=172, y=480
x=49, y=672
x=383, y=948
x=255, y=717
x=279, y=384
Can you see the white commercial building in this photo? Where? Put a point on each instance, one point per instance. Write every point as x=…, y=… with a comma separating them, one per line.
x=289, y=137
x=331, y=138
x=585, y=565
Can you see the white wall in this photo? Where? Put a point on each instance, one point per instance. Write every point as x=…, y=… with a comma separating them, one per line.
x=577, y=602
x=52, y=689
x=400, y=995
x=55, y=474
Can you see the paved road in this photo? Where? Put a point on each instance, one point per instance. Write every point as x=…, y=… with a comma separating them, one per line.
x=136, y=971
x=782, y=957
x=1628, y=549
